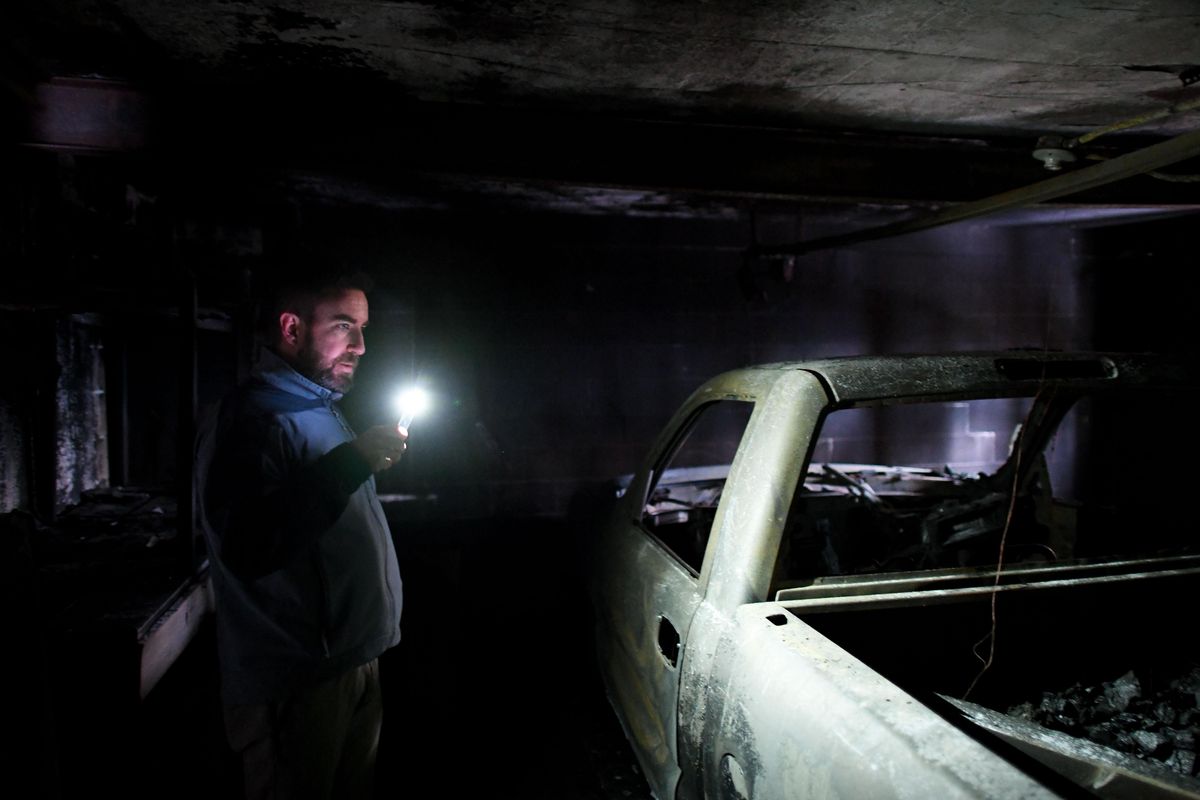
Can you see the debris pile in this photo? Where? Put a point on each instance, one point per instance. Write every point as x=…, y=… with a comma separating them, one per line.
x=1157, y=725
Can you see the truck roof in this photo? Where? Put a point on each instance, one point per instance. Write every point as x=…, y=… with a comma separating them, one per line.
x=1010, y=373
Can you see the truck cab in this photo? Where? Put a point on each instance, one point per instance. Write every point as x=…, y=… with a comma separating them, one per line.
x=863, y=577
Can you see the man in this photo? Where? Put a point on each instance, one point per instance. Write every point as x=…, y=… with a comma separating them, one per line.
x=305, y=578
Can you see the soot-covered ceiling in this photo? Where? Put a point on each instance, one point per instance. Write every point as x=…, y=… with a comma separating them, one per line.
x=584, y=104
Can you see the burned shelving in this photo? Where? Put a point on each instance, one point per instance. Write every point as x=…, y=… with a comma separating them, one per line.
x=110, y=572
x=105, y=600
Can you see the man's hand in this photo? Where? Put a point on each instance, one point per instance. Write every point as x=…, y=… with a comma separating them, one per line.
x=382, y=446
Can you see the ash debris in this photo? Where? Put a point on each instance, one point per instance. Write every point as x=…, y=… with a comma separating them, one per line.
x=1156, y=725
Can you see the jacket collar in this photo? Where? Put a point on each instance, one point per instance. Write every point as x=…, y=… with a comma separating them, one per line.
x=273, y=369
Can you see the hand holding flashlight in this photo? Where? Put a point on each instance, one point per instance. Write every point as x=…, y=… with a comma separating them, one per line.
x=382, y=446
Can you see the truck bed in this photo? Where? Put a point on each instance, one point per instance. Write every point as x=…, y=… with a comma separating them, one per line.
x=1104, y=652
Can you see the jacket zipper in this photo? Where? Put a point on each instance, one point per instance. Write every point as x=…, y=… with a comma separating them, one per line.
x=377, y=510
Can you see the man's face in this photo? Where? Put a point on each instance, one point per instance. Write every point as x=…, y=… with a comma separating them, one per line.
x=331, y=342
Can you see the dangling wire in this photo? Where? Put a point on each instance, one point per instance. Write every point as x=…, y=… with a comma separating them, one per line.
x=990, y=638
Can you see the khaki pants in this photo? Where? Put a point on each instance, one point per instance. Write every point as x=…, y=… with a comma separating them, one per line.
x=316, y=743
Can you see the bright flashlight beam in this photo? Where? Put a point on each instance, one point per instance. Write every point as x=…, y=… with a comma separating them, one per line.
x=411, y=403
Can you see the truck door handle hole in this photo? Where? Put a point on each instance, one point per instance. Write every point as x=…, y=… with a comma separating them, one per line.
x=668, y=641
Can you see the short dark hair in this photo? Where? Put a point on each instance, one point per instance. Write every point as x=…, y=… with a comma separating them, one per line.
x=299, y=289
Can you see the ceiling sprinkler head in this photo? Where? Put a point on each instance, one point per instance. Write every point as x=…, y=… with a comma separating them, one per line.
x=1053, y=153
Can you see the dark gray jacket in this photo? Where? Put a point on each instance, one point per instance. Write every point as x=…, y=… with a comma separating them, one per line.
x=303, y=567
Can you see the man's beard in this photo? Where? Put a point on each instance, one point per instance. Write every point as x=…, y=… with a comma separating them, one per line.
x=324, y=374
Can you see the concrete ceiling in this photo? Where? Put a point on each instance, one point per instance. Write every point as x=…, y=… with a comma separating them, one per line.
x=906, y=100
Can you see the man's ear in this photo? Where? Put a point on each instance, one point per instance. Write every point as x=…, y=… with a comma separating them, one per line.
x=289, y=328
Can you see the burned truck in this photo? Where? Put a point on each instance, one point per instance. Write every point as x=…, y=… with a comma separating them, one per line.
x=966, y=575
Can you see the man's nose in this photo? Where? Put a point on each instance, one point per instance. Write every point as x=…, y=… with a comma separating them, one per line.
x=358, y=344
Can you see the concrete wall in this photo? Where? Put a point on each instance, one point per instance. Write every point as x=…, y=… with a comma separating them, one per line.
x=559, y=346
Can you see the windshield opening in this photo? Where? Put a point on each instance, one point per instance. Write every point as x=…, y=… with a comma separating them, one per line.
x=924, y=486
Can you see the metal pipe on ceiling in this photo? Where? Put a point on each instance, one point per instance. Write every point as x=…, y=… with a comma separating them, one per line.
x=1160, y=113
x=1147, y=159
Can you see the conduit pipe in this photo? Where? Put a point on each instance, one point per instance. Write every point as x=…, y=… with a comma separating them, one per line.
x=1133, y=122
x=1147, y=159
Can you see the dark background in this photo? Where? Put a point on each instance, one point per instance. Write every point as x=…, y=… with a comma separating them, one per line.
x=556, y=346
x=566, y=240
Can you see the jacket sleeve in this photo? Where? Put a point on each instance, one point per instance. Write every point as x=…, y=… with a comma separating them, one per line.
x=265, y=506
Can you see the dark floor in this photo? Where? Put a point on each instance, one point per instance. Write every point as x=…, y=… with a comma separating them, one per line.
x=492, y=691
x=494, y=688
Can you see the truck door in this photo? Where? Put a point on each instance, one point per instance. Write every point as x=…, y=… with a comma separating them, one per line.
x=672, y=531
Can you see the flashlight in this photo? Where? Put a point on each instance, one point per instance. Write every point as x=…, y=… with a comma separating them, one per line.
x=411, y=403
